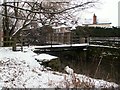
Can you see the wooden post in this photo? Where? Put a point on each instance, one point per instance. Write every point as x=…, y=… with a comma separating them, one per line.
x=14, y=44
x=21, y=43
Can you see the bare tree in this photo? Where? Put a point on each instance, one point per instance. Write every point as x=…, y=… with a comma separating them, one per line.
x=15, y=20
x=18, y=16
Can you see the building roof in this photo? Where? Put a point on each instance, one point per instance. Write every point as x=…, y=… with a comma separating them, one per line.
x=60, y=26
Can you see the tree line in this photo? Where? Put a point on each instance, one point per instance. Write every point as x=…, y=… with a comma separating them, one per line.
x=97, y=32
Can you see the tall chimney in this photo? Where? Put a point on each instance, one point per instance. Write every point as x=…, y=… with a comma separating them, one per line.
x=94, y=19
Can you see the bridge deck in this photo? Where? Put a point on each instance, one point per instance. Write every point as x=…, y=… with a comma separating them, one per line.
x=65, y=47
x=60, y=47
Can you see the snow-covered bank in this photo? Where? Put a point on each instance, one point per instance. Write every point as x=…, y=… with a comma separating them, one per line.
x=21, y=70
x=45, y=57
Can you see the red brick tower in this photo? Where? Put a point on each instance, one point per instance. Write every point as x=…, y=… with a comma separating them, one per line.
x=94, y=19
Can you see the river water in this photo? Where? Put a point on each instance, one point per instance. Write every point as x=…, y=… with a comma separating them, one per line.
x=100, y=63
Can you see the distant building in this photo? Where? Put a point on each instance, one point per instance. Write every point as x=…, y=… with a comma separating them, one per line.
x=119, y=14
x=97, y=24
x=61, y=35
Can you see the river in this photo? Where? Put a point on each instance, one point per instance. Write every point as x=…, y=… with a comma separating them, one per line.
x=100, y=63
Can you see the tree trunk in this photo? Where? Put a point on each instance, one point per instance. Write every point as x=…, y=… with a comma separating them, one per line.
x=6, y=37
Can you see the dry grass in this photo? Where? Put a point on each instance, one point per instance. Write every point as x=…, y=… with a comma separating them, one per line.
x=75, y=82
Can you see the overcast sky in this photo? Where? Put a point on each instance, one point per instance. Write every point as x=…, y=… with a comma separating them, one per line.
x=107, y=11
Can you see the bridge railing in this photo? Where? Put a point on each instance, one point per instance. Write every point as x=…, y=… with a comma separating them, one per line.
x=112, y=41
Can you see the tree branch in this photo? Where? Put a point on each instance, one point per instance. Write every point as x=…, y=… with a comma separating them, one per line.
x=56, y=12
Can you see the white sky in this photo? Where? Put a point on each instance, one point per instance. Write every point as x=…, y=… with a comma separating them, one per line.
x=106, y=12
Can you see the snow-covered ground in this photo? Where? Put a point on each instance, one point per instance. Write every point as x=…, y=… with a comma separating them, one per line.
x=21, y=70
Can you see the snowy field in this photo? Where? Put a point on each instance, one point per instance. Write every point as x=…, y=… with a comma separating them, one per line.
x=21, y=70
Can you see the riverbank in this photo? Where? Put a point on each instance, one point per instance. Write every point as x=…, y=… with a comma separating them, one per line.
x=21, y=70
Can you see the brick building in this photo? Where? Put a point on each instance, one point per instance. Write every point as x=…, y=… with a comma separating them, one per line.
x=60, y=35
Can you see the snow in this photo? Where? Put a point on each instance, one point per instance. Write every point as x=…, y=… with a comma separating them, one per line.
x=69, y=45
x=61, y=26
x=45, y=57
x=21, y=70
x=69, y=70
x=103, y=46
x=63, y=45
